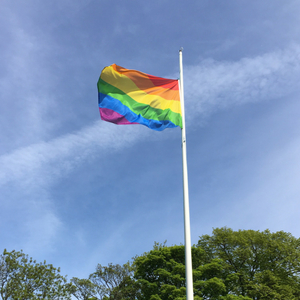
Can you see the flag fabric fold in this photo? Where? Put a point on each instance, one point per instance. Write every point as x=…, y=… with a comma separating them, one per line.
x=132, y=97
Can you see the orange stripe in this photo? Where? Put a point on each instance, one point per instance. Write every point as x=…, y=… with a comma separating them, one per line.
x=166, y=88
x=127, y=86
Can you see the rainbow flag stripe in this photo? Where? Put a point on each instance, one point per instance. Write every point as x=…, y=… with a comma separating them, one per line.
x=132, y=97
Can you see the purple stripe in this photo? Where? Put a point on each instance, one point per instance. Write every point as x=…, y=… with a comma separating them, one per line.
x=113, y=117
x=124, y=115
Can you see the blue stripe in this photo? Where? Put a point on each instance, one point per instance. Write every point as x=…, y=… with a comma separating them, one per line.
x=109, y=102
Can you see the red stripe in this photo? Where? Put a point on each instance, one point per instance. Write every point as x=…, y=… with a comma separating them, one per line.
x=163, y=82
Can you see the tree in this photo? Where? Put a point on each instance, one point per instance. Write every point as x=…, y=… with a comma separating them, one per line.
x=83, y=289
x=258, y=265
x=114, y=282
x=160, y=274
x=22, y=278
x=228, y=265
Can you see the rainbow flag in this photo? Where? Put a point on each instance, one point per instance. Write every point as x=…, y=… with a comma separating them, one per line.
x=132, y=97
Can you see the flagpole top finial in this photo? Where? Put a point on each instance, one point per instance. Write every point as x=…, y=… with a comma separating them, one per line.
x=181, y=49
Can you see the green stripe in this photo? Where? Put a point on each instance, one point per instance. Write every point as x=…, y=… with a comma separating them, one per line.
x=144, y=110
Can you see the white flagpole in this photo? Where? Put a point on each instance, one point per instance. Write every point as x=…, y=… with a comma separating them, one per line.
x=186, y=206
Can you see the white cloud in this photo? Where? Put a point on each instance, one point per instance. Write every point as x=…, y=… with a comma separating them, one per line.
x=25, y=86
x=272, y=197
x=210, y=86
x=31, y=172
x=41, y=229
x=213, y=85
x=45, y=161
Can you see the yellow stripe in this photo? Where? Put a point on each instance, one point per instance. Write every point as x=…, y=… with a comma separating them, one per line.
x=126, y=85
x=144, y=83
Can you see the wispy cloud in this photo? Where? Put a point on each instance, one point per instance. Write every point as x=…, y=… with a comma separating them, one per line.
x=213, y=85
x=29, y=173
x=273, y=195
x=25, y=87
x=208, y=87
x=61, y=155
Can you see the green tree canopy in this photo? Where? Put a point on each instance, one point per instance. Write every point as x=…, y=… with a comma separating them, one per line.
x=114, y=282
x=160, y=274
x=83, y=289
x=227, y=265
x=21, y=277
x=260, y=265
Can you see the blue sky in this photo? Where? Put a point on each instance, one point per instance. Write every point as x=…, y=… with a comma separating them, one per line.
x=78, y=191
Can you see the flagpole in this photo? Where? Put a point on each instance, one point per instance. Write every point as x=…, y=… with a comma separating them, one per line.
x=187, y=228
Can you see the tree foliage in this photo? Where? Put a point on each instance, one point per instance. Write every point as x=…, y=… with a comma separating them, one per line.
x=83, y=289
x=227, y=265
x=114, y=282
x=21, y=277
x=160, y=274
x=259, y=265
